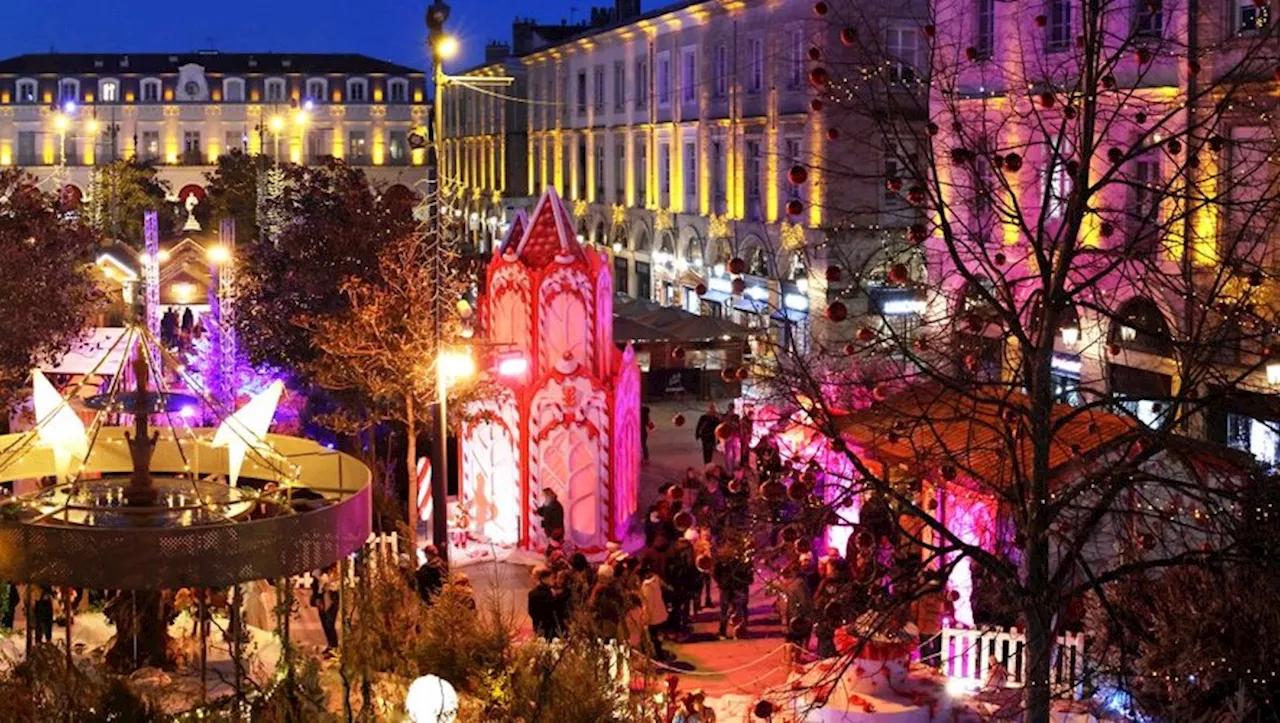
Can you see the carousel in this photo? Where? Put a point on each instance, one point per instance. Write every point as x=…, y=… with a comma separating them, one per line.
x=127, y=499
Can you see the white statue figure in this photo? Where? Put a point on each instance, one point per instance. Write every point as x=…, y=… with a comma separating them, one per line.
x=192, y=224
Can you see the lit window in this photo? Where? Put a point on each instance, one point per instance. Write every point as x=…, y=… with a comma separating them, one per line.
x=1249, y=16
x=109, y=91
x=1058, y=31
x=27, y=91
x=902, y=45
x=69, y=90
x=1148, y=19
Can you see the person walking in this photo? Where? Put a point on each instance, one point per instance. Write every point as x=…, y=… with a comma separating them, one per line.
x=431, y=576
x=552, y=514
x=655, y=608
x=705, y=432
x=325, y=597
x=733, y=574
x=42, y=611
x=645, y=423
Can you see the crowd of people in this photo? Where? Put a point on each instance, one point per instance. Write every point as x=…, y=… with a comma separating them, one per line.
x=721, y=530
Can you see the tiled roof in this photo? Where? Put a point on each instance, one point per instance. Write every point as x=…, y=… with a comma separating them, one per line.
x=212, y=61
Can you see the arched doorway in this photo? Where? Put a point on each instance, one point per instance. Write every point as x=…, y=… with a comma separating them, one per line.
x=1140, y=388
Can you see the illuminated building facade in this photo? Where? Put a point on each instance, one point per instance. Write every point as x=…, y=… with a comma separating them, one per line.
x=1007, y=66
x=671, y=135
x=65, y=113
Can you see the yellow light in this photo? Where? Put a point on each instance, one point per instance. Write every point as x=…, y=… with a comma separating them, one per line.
x=447, y=47
x=61, y=122
x=301, y=117
x=163, y=255
x=276, y=123
x=92, y=125
x=218, y=254
x=455, y=366
x=184, y=292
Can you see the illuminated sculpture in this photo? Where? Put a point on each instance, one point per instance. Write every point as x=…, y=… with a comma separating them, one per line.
x=569, y=420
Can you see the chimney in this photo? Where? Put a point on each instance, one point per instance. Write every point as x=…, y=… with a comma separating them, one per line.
x=496, y=52
x=624, y=10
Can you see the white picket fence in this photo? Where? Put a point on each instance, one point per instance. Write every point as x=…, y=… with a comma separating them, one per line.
x=376, y=548
x=968, y=655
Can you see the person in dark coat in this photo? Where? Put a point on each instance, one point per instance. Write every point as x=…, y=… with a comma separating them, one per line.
x=431, y=575
x=546, y=608
x=644, y=431
x=733, y=574
x=552, y=514
x=42, y=611
x=705, y=432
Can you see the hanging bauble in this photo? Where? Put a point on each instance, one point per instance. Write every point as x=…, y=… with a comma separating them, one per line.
x=804, y=545
x=975, y=323
x=916, y=196
x=815, y=54
x=1106, y=229
x=931, y=128
x=1073, y=167
x=700, y=289
x=1147, y=541
x=833, y=134
x=773, y=490
x=678, y=420
x=1143, y=56
x=798, y=175
x=1041, y=21
x=899, y=273
x=1013, y=163
x=705, y=563
x=678, y=352
x=893, y=185
x=1069, y=112
x=833, y=274
x=838, y=445
x=837, y=311
x=930, y=30
x=1193, y=161
x=1115, y=155
x=957, y=126
x=810, y=476
x=795, y=207
x=1109, y=82
x=737, y=265
x=1113, y=349
x=1255, y=278
x=893, y=437
x=918, y=232
x=948, y=472
x=1175, y=146
x=848, y=36
x=1216, y=143
x=682, y=520
x=972, y=363
x=727, y=374
x=1140, y=117
x=971, y=53
x=818, y=77
x=799, y=491
x=866, y=334
x=789, y=535
x=738, y=287
x=850, y=350
x=961, y=156
x=725, y=430
x=880, y=392
x=1046, y=100
x=815, y=105
x=743, y=374
x=819, y=9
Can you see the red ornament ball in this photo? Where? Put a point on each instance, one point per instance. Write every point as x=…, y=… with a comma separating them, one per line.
x=678, y=420
x=773, y=490
x=1069, y=112
x=763, y=709
x=848, y=36
x=818, y=77
x=737, y=265
x=1144, y=56
x=815, y=54
x=931, y=128
x=850, y=350
x=738, y=286
x=833, y=134
x=1113, y=349
x=1047, y=100
x=1193, y=67
x=899, y=274
x=815, y=105
x=743, y=373
x=682, y=521
x=798, y=175
x=1013, y=163
x=678, y=352
x=820, y=9
x=789, y=534
x=948, y=472
x=795, y=207
x=1216, y=144
x=1041, y=21
x=1140, y=117
x=930, y=30
x=700, y=289
x=916, y=196
x=971, y=53
x=866, y=334
x=893, y=185
x=837, y=311
x=804, y=545
x=1109, y=82
x=1115, y=155
x=999, y=258
x=1106, y=229
x=727, y=374
x=833, y=274
x=1175, y=146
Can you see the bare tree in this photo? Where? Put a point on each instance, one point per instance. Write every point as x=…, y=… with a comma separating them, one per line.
x=1090, y=290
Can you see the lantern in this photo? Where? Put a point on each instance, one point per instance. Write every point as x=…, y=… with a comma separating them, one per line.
x=431, y=699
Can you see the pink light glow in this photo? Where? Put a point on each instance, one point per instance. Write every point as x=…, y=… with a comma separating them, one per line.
x=513, y=366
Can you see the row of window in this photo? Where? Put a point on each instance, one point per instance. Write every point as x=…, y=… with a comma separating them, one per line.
x=753, y=172
x=1147, y=21
x=319, y=144
x=275, y=90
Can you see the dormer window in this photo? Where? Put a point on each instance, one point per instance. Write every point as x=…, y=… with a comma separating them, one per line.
x=27, y=92
x=317, y=89
x=151, y=90
x=358, y=90
x=109, y=91
x=233, y=90
x=398, y=90
x=275, y=90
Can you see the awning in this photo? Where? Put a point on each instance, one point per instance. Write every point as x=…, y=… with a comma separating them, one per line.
x=1140, y=383
x=790, y=316
x=718, y=297
x=751, y=306
x=625, y=329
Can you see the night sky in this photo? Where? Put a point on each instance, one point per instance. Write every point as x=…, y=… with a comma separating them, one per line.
x=388, y=29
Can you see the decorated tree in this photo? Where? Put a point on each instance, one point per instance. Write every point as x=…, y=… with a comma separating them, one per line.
x=1072, y=310
x=120, y=193
x=49, y=295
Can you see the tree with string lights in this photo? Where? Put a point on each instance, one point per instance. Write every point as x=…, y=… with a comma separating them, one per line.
x=1081, y=317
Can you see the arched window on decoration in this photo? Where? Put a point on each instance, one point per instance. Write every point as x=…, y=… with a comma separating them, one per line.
x=719, y=253
x=797, y=266
x=599, y=236
x=666, y=249
x=695, y=252
x=1139, y=325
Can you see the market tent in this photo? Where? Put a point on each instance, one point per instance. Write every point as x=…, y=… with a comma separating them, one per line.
x=626, y=329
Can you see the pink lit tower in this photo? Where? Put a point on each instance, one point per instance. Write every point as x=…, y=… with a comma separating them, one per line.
x=569, y=420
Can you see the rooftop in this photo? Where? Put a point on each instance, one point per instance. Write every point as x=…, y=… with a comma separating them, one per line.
x=212, y=61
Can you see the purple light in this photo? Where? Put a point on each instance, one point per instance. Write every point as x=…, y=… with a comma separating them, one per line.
x=187, y=412
x=309, y=104
x=69, y=107
x=330, y=445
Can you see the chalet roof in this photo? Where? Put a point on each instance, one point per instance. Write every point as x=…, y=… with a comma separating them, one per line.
x=111, y=64
x=550, y=234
